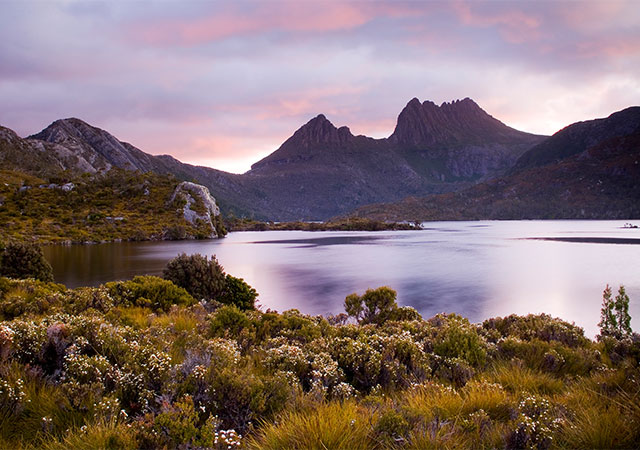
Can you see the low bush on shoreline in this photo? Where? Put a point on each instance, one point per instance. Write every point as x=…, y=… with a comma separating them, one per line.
x=142, y=364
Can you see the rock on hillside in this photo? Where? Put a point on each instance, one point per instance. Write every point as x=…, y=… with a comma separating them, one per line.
x=198, y=205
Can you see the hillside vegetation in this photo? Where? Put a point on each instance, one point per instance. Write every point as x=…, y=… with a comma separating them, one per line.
x=109, y=206
x=142, y=364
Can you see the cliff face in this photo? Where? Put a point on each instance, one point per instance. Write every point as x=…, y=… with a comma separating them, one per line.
x=198, y=205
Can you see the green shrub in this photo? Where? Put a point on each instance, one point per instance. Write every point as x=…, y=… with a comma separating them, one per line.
x=455, y=337
x=24, y=261
x=237, y=292
x=18, y=297
x=536, y=326
x=229, y=321
x=391, y=426
x=202, y=277
x=149, y=291
x=240, y=399
x=614, y=316
x=374, y=306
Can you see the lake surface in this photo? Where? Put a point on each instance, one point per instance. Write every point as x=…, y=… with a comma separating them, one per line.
x=476, y=269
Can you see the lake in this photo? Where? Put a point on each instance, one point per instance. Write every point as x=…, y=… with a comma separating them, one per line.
x=477, y=269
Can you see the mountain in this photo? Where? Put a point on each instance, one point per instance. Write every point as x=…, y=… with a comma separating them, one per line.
x=587, y=170
x=321, y=170
x=578, y=137
x=99, y=150
x=461, y=122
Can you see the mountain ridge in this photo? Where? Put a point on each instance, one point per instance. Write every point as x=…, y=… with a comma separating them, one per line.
x=323, y=170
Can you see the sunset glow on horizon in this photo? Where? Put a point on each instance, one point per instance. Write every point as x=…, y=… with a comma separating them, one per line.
x=224, y=83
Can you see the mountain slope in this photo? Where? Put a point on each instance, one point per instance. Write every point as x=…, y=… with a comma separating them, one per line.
x=578, y=137
x=598, y=180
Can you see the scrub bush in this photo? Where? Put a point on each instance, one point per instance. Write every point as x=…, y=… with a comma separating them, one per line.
x=19, y=260
x=238, y=292
x=202, y=277
x=149, y=291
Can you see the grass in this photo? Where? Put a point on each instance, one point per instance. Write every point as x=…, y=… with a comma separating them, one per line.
x=329, y=426
x=515, y=378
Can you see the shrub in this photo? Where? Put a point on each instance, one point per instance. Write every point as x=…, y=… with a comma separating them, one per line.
x=149, y=291
x=237, y=292
x=535, y=326
x=392, y=426
x=18, y=297
x=228, y=321
x=239, y=399
x=455, y=337
x=202, y=277
x=374, y=306
x=25, y=261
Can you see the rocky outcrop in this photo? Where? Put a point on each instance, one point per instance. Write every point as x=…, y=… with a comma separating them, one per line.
x=198, y=206
x=461, y=122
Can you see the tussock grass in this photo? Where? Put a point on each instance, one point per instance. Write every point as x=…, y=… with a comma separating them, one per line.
x=96, y=436
x=330, y=426
x=521, y=379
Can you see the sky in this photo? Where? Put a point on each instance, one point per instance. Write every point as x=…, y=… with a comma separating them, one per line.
x=224, y=83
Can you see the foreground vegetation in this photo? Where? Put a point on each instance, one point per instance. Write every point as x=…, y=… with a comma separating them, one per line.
x=112, y=206
x=144, y=364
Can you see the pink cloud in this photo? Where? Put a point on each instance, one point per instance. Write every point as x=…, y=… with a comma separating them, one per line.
x=609, y=47
x=515, y=26
x=282, y=16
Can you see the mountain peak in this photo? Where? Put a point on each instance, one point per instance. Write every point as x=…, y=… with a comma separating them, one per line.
x=457, y=122
x=317, y=132
x=317, y=135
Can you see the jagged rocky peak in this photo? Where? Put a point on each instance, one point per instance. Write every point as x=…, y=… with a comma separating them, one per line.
x=318, y=135
x=459, y=121
x=319, y=130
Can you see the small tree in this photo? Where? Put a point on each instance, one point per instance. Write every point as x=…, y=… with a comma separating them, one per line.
x=24, y=261
x=608, y=323
x=374, y=306
x=615, y=320
x=623, y=318
x=200, y=276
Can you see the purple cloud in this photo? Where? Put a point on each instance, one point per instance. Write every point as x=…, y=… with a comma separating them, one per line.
x=224, y=83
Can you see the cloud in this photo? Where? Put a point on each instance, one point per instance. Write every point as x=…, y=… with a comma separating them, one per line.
x=225, y=83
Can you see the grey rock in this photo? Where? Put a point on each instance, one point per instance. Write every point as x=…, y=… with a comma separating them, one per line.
x=188, y=192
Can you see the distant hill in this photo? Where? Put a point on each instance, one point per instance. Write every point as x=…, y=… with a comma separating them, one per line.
x=589, y=170
x=580, y=136
x=321, y=171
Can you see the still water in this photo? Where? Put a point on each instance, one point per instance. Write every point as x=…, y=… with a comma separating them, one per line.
x=476, y=269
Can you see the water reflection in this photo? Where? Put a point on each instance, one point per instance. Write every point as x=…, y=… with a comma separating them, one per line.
x=477, y=269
